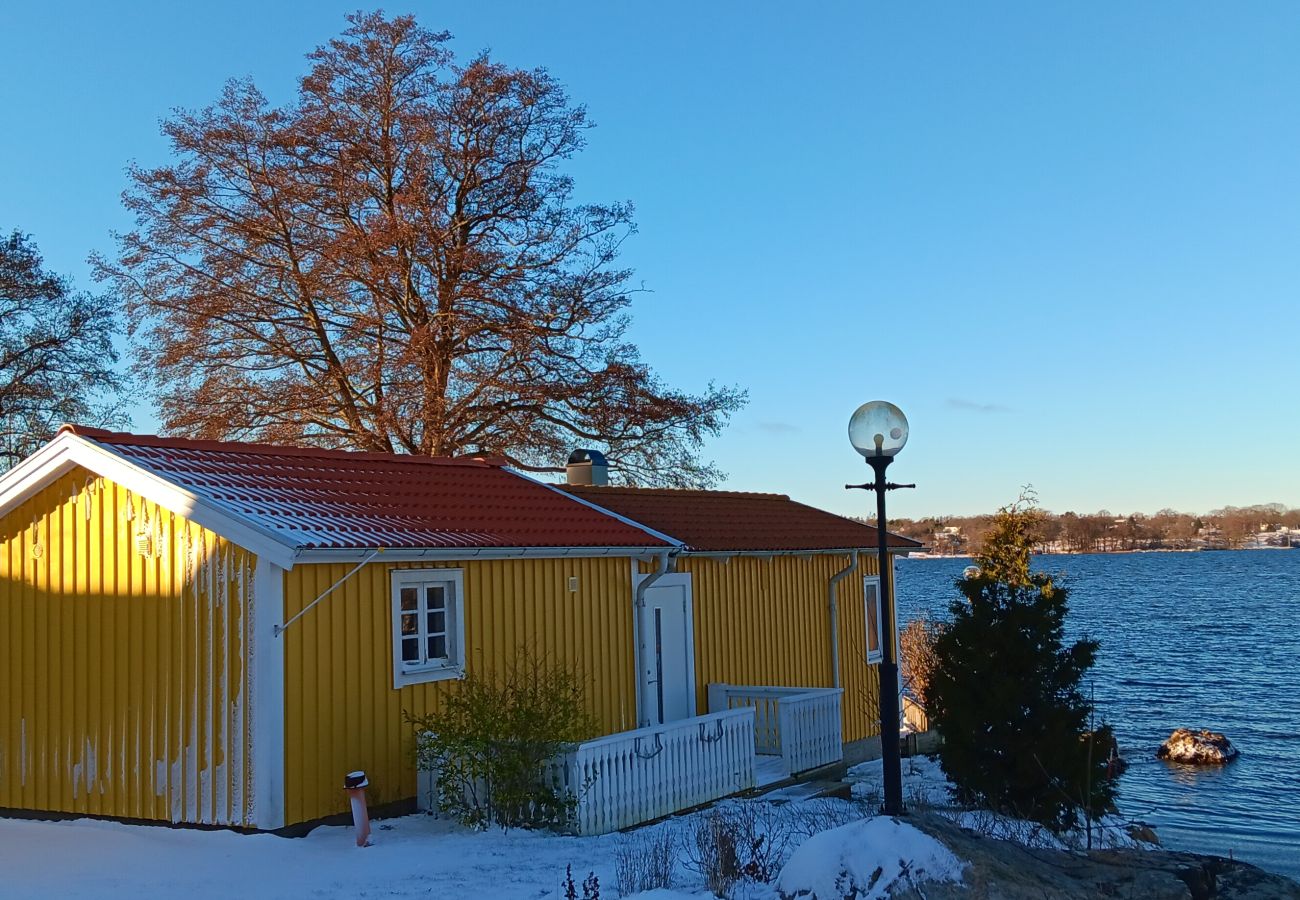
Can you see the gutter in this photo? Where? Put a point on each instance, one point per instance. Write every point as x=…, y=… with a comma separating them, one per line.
x=835, y=613
x=826, y=551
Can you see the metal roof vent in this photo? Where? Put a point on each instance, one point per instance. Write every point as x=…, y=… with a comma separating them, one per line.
x=587, y=467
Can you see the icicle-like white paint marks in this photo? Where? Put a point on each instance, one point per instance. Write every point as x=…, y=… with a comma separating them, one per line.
x=235, y=634
x=210, y=744
x=177, y=788
x=194, y=701
x=159, y=777
x=22, y=753
x=250, y=696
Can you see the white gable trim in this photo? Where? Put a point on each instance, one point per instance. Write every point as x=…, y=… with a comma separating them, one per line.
x=68, y=450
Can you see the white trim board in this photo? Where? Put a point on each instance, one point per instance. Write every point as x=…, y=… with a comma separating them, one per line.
x=266, y=657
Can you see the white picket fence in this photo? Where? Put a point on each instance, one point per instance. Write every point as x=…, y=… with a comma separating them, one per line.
x=636, y=776
x=801, y=725
x=624, y=779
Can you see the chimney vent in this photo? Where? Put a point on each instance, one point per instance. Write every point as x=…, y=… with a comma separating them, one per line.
x=587, y=467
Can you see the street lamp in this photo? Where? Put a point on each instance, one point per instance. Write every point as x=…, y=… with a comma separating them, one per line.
x=878, y=430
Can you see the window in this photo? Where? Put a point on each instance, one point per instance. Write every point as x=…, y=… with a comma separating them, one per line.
x=871, y=597
x=428, y=625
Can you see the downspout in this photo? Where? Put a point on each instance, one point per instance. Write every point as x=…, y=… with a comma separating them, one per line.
x=835, y=612
x=638, y=606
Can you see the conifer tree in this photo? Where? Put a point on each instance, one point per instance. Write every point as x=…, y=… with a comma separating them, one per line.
x=1006, y=690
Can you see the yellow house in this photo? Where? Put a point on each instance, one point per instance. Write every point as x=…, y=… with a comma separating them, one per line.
x=215, y=633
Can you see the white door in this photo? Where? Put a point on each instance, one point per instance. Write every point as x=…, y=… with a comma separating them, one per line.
x=667, y=652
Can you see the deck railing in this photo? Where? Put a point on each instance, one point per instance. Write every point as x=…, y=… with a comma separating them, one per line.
x=636, y=776
x=801, y=725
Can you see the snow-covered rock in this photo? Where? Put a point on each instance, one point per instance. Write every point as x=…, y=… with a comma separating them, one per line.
x=1198, y=747
x=866, y=860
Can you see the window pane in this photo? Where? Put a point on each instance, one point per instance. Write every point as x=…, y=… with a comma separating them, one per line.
x=410, y=597
x=411, y=650
x=435, y=597
x=410, y=623
x=437, y=623
x=438, y=647
x=872, y=592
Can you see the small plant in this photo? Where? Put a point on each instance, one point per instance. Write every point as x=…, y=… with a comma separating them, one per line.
x=590, y=886
x=712, y=852
x=490, y=746
x=645, y=863
x=916, y=651
x=815, y=816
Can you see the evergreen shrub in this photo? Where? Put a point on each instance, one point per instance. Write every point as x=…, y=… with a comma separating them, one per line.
x=1005, y=691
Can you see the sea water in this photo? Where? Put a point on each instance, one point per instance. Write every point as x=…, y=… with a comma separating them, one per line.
x=1196, y=640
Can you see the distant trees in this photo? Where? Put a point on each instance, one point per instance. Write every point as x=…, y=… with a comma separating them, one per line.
x=396, y=261
x=1072, y=532
x=1005, y=690
x=56, y=352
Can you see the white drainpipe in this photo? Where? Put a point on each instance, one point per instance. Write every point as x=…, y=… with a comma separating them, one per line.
x=638, y=606
x=835, y=612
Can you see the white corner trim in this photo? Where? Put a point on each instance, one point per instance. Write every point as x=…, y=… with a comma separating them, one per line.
x=267, y=662
x=68, y=450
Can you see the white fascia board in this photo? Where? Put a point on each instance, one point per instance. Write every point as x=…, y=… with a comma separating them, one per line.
x=418, y=554
x=68, y=450
x=673, y=542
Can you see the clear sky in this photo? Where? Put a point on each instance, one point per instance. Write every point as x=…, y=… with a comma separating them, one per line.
x=1063, y=237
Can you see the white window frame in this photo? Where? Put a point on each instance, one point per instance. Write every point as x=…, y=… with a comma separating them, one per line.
x=877, y=655
x=453, y=666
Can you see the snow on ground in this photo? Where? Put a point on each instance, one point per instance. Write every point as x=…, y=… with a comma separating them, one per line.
x=420, y=856
x=413, y=856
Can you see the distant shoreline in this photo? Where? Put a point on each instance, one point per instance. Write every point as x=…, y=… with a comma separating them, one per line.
x=926, y=555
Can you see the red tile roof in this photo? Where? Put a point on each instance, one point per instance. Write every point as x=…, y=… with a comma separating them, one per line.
x=731, y=521
x=316, y=498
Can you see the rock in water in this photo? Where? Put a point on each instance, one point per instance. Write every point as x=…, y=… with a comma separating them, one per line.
x=1197, y=747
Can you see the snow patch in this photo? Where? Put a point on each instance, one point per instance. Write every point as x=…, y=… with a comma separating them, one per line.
x=867, y=860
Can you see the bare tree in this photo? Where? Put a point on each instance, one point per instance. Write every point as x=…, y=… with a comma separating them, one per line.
x=56, y=353
x=395, y=261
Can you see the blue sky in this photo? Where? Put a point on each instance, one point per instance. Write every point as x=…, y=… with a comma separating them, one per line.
x=1063, y=237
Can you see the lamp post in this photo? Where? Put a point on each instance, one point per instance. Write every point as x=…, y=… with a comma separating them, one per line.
x=878, y=430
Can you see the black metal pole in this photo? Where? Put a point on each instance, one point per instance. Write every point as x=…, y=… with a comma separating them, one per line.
x=889, y=756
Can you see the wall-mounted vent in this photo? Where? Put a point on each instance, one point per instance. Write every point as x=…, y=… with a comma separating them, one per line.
x=587, y=467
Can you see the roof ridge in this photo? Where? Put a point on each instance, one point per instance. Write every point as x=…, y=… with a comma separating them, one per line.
x=672, y=492
x=105, y=436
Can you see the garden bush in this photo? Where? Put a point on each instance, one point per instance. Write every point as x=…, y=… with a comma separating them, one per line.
x=489, y=747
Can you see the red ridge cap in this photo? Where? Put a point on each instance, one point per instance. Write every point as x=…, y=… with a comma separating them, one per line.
x=597, y=489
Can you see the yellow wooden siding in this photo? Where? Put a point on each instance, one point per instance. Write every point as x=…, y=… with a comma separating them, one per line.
x=766, y=621
x=123, y=683
x=341, y=710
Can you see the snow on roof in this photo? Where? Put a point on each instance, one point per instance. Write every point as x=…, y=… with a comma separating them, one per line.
x=333, y=499
x=722, y=521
